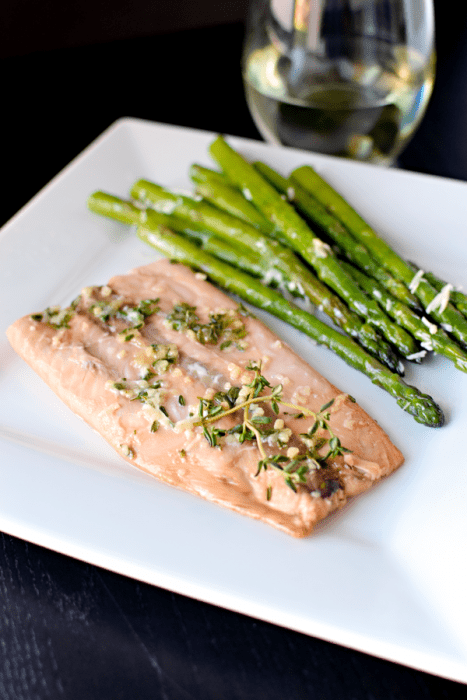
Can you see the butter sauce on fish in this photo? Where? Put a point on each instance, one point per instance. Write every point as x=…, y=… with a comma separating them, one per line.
x=189, y=387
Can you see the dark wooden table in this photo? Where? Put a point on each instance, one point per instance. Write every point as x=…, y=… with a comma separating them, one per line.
x=71, y=630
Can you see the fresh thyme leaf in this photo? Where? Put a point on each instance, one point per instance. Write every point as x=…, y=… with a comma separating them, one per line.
x=334, y=443
x=314, y=428
x=208, y=436
x=213, y=435
x=319, y=443
x=261, y=419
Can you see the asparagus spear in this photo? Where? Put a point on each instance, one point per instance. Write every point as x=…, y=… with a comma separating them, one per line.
x=410, y=399
x=126, y=212
x=201, y=215
x=291, y=276
x=216, y=189
x=456, y=297
x=420, y=406
x=204, y=216
x=438, y=341
x=302, y=239
x=356, y=252
x=425, y=292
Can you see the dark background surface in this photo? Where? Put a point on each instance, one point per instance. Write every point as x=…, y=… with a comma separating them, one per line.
x=71, y=630
x=68, y=73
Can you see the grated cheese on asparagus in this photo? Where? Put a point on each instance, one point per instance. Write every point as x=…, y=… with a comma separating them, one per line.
x=416, y=281
x=441, y=300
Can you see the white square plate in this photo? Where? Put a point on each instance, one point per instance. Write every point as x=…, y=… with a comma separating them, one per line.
x=387, y=575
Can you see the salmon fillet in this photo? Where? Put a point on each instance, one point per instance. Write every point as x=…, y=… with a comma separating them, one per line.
x=157, y=360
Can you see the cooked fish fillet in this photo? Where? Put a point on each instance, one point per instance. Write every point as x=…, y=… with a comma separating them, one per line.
x=133, y=358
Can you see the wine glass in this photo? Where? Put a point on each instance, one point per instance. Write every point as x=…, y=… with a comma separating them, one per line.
x=349, y=78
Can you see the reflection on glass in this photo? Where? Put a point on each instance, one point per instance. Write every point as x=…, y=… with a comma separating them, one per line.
x=345, y=77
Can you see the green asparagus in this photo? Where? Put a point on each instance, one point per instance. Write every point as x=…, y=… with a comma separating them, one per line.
x=456, y=297
x=438, y=341
x=302, y=239
x=425, y=292
x=215, y=188
x=420, y=406
x=356, y=252
x=289, y=272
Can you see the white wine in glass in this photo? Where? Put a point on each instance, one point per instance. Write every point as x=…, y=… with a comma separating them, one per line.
x=349, y=78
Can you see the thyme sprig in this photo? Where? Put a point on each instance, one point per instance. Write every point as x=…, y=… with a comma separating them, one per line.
x=295, y=467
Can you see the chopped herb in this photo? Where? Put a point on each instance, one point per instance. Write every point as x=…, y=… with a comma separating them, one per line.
x=111, y=307
x=148, y=307
x=227, y=329
x=224, y=327
x=57, y=317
